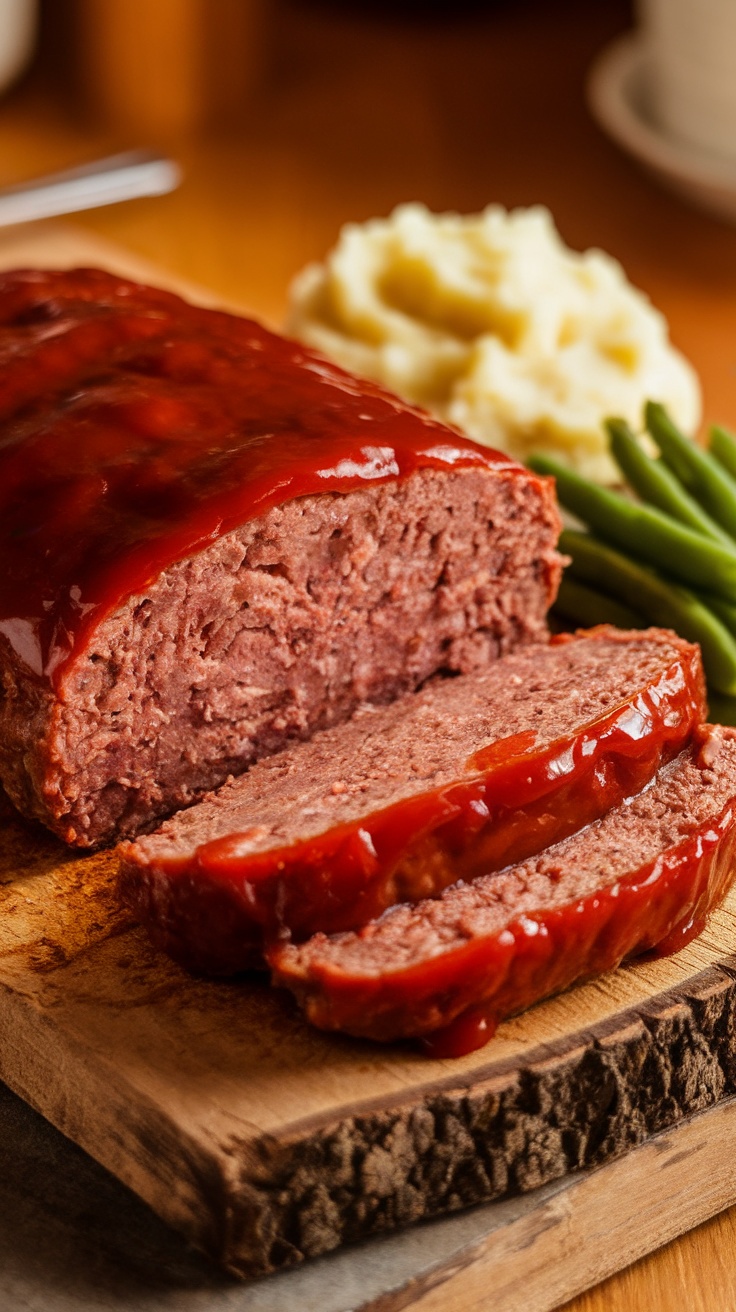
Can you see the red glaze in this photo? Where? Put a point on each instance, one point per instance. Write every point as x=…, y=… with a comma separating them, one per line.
x=474, y=986
x=138, y=428
x=214, y=910
x=679, y=938
x=471, y=1030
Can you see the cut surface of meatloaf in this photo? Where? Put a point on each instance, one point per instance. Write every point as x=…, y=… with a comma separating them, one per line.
x=463, y=777
x=646, y=874
x=213, y=543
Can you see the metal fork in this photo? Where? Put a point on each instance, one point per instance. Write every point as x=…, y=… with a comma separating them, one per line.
x=101, y=182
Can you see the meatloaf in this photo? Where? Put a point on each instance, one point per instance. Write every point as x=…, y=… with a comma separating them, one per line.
x=461, y=778
x=213, y=542
x=644, y=876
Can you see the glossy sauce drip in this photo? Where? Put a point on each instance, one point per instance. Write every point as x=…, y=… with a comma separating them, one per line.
x=677, y=939
x=471, y=1030
x=476, y=1026
x=138, y=429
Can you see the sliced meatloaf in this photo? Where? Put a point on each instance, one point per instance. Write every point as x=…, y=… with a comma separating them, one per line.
x=213, y=543
x=646, y=874
x=463, y=777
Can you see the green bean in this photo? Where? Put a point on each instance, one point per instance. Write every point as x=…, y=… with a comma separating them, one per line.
x=645, y=532
x=722, y=445
x=587, y=607
x=725, y=610
x=656, y=484
x=662, y=602
x=698, y=471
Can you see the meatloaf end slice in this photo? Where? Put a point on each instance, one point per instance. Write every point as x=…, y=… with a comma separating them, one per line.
x=275, y=630
x=646, y=874
x=463, y=777
x=214, y=542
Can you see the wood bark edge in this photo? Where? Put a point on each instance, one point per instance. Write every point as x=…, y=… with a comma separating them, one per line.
x=576, y=1103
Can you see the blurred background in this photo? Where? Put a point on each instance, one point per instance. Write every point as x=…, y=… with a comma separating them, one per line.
x=291, y=117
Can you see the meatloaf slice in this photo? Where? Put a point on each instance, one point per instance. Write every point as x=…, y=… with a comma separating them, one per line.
x=213, y=543
x=461, y=778
x=643, y=876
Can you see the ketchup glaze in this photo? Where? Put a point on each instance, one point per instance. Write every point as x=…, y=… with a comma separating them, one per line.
x=655, y=909
x=137, y=429
x=654, y=913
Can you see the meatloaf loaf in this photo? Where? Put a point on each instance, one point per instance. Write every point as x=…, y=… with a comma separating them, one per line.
x=643, y=876
x=212, y=542
x=462, y=778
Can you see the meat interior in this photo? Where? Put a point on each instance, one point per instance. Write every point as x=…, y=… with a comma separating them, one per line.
x=422, y=742
x=278, y=629
x=689, y=792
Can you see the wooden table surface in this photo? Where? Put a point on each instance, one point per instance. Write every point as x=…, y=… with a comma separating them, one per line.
x=353, y=109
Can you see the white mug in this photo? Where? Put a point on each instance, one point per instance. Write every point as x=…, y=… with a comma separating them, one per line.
x=17, y=38
x=691, y=46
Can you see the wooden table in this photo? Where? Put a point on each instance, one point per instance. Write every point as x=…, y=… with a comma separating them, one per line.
x=355, y=109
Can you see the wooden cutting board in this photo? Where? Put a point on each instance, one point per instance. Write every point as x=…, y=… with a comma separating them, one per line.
x=261, y=1140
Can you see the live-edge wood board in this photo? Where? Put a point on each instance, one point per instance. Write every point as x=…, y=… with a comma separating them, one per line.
x=263, y=1141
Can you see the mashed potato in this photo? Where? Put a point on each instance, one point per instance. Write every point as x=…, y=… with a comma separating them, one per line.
x=494, y=325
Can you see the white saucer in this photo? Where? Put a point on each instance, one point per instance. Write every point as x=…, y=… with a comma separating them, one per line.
x=617, y=94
